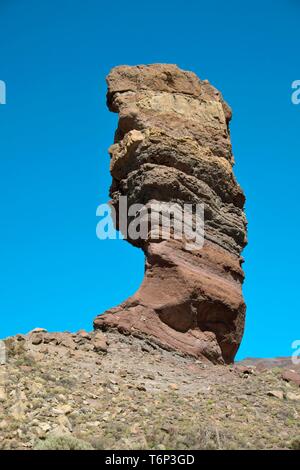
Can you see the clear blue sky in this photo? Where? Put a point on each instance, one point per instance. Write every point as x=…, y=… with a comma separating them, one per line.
x=55, y=131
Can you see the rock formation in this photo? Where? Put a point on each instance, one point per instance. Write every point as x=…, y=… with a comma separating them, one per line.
x=173, y=145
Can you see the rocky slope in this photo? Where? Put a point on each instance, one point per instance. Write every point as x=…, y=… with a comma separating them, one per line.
x=95, y=391
x=172, y=145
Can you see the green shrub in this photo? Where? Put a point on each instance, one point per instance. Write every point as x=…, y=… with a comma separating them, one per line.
x=63, y=443
x=295, y=444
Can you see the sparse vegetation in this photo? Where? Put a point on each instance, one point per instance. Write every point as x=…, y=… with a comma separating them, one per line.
x=63, y=443
x=295, y=444
x=74, y=398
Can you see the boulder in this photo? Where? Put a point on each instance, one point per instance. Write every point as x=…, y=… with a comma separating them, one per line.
x=291, y=376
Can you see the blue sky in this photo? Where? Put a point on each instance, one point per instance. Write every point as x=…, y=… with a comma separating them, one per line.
x=55, y=131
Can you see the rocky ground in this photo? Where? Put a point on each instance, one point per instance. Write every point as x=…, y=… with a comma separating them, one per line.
x=96, y=391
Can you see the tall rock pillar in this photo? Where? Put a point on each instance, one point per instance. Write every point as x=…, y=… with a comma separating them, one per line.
x=173, y=145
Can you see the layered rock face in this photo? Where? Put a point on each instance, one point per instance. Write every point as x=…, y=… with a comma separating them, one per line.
x=173, y=145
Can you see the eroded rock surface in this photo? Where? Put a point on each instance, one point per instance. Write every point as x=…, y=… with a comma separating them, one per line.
x=173, y=145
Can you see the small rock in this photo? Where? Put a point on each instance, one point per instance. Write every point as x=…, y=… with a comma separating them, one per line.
x=113, y=381
x=173, y=387
x=246, y=370
x=3, y=424
x=63, y=421
x=291, y=376
x=20, y=337
x=141, y=388
x=135, y=428
x=83, y=334
x=149, y=376
x=45, y=427
x=17, y=411
x=161, y=447
x=60, y=430
x=63, y=410
x=37, y=339
x=106, y=416
x=51, y=338
x=68, y=342
x=113, y=388
x=276, y=393
x=36, y=388
x=95, y=424
x=123, y=373
x=100, y=342
x=292, y=396
x=3, y=396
